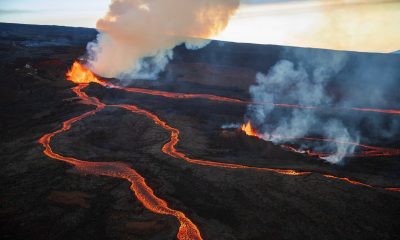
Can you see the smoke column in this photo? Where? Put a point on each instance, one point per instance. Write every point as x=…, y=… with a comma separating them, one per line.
x=137, y=36
x=329, y=80
x=303, y=82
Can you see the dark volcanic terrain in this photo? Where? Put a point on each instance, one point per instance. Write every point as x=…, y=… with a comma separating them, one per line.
x=42, y=198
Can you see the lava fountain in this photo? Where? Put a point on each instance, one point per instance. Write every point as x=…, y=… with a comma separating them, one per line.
x=248, y=129
x=79, y=74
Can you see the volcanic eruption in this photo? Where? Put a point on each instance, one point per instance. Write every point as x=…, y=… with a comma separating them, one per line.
x=304, y=80
x=79, y=74
x=82, y=76
x=291, y=105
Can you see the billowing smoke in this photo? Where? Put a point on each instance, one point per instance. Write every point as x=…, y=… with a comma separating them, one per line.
x=334, y=81
x=137, y=36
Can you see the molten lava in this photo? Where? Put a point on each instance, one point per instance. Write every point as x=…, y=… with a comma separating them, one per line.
x=82, y=76
x=249, y=130
x=367, y=151
x=79, y=74
x=170, y=150
x=187, y=230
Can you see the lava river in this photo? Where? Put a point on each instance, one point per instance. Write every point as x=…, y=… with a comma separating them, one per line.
x=367, y=151
x=187, y=230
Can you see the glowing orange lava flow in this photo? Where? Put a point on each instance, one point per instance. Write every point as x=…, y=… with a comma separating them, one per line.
x=248, y=129
x=80, y=74
x=238, y=101
x=187, y=230
x=370, y=151
x=348, y=180
x=388, y=111
x=169, y=148
x=177, y=95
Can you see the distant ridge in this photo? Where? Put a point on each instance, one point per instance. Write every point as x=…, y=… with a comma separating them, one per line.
x=46, y=35
x=82, y=35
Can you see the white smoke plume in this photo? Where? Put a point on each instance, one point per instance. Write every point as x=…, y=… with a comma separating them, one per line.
x=137, y=36
x=304, y=82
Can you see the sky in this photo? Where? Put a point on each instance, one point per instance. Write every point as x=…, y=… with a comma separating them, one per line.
x=83, y=13
x=358, y=25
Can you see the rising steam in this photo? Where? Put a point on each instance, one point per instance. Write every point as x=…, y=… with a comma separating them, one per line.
x=333, y=82
x=137, y=36
x=302, y=81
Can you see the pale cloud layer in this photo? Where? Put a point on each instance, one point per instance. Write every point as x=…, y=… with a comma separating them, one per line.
x=334, y=24
x=83, y=13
